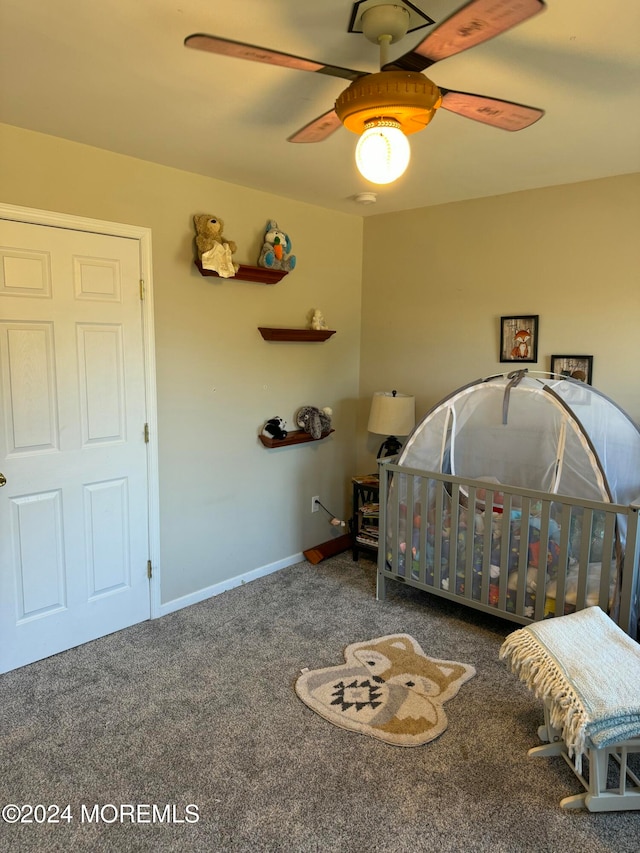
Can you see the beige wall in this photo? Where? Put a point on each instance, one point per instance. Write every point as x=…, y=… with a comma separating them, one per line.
x=227, y=505
x=437, y=280
x=415, y=297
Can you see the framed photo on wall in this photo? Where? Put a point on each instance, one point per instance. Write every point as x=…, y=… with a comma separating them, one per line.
x=519, y=338
x=578, y=367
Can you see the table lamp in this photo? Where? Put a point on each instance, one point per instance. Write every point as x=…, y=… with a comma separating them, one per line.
x=391, y=414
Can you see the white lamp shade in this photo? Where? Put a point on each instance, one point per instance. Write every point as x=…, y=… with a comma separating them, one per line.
x=392, y=415
x=382, y=154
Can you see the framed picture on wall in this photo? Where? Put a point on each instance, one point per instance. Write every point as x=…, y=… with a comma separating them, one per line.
x=578, y=367
x=519, y=338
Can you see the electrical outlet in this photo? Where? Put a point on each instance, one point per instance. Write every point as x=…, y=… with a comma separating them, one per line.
x=315, y=506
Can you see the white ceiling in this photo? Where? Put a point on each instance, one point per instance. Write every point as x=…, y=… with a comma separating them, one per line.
x=115, y=74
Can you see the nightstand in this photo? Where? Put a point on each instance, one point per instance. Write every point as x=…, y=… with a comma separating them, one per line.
x=366, y=489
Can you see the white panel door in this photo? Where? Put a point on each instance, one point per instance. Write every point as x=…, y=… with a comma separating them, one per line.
x=74, y=510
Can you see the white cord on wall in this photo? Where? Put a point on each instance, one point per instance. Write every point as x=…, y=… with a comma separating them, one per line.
x=336, y=522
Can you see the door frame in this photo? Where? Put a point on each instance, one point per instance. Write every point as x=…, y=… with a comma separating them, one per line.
x=143, y=236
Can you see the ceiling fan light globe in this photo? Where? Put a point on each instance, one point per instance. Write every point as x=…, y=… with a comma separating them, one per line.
x=382, y=154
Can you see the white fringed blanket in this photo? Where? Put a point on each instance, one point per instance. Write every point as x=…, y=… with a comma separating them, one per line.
x=588, y=669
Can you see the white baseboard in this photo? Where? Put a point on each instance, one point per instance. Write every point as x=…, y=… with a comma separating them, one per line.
x=223, y=586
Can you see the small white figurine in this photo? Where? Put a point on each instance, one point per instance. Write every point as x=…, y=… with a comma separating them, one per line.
x=318, y=321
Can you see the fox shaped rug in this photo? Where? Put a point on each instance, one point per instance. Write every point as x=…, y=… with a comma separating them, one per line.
x=387, y=688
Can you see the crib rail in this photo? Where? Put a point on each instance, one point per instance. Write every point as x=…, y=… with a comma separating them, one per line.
x=517, y=553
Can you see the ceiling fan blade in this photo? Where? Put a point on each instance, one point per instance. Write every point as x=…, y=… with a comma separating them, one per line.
x=477, y=21
x=240, y=50
x=319, y=129
x=503, y=114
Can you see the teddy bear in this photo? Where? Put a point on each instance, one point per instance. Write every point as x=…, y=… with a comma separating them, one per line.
x=317, y=321
x=316, y=422
x=214, y=250
x=275, y=428
x=275, y=249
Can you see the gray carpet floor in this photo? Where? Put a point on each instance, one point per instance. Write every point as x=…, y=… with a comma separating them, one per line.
x=198, y=710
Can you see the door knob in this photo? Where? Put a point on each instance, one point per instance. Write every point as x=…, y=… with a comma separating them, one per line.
x=3, y=480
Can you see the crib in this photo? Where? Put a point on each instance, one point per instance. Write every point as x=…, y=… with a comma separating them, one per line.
x=521, y=554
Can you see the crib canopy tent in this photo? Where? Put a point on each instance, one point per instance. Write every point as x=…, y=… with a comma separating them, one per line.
x=538, y=432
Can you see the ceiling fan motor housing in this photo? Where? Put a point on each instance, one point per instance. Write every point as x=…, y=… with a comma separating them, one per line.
x=406, y=97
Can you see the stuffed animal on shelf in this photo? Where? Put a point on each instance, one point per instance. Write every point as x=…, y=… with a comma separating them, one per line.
x=214, y=250
x=275, y=428
x=275, y=254
x=317, y=321
x=316, y=422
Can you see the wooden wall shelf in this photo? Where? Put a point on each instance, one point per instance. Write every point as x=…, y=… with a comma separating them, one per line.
x=295, y=334
x=296, y=436
x=260, y=275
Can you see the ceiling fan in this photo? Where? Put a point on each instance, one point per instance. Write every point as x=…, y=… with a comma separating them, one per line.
x=398, y=100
